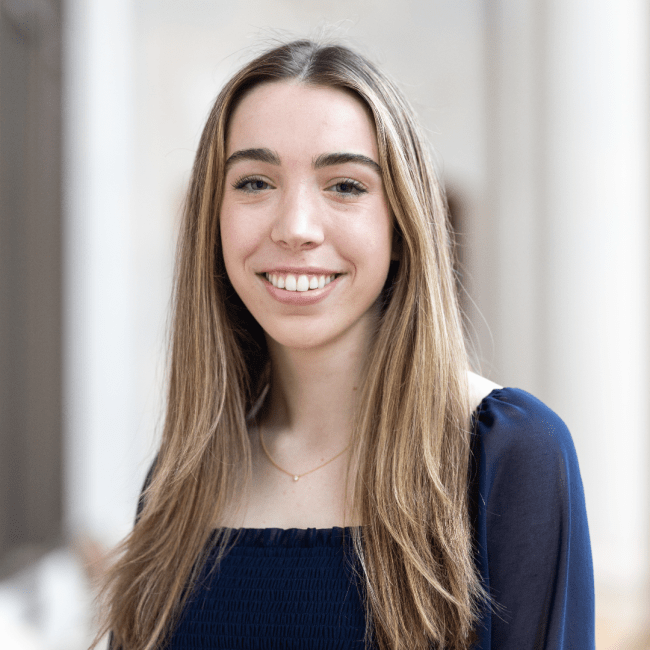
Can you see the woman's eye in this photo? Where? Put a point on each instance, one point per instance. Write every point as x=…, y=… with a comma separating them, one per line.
x=349, y=187
x=251, y=185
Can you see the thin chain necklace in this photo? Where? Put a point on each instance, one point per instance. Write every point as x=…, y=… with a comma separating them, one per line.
x=295, y=477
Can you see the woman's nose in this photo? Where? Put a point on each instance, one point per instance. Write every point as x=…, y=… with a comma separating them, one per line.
x=298, y=225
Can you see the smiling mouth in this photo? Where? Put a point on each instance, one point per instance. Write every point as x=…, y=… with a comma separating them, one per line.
x=291, y=282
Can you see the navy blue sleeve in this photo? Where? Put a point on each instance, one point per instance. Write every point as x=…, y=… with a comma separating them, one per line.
x=531, y=527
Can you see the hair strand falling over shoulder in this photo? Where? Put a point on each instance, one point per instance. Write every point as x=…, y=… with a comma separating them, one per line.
x=412, y=436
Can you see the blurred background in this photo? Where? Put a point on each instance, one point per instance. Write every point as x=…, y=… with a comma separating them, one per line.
x=538, y=111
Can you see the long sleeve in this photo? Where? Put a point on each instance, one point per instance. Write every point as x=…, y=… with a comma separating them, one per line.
x=531, y=528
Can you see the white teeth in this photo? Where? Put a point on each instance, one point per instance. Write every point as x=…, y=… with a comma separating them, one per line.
x=301, y=283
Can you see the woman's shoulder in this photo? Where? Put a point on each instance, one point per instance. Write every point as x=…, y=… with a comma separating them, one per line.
x=513, y=428
x=530, y=522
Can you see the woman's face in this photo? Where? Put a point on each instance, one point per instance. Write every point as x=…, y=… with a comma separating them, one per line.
x=306, y=229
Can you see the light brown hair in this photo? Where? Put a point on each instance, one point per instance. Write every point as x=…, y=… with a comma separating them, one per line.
x=420, y=584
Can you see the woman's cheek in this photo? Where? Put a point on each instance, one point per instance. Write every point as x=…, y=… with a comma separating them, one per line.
x=238, y=237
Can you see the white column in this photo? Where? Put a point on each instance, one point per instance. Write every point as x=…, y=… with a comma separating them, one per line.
x=511, y=295
x=597, y=249
x=564, y=260
x=102, y=452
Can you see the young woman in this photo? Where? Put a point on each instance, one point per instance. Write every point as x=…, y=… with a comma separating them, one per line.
x=331, y=474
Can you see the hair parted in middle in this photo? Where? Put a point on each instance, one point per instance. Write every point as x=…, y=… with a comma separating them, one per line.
x=412, y=429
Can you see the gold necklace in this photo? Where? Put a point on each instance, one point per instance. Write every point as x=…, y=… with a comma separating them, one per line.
x=295, y=477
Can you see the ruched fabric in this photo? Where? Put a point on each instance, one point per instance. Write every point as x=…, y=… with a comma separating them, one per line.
x=283, y=589
x=277, y=588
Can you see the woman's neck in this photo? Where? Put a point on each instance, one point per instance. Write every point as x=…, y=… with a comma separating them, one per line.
x=304, y=425
x=313, y=392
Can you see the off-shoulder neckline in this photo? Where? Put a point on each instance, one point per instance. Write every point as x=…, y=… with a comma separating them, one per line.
x=274, y=536
x=286, y=537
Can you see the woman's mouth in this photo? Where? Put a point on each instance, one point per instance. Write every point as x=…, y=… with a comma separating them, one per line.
x=292, y=282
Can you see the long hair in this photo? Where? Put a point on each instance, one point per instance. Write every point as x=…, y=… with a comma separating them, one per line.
x=411, y=438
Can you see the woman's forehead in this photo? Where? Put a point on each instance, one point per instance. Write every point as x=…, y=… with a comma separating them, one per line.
x=301, y=118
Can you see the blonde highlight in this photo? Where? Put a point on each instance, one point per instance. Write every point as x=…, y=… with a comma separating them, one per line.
x=412, y=432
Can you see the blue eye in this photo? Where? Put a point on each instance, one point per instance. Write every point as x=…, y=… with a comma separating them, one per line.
x=251, y=185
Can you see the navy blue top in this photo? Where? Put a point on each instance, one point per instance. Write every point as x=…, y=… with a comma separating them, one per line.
x=294, y=588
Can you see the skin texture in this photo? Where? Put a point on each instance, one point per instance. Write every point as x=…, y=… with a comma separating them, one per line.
x=303, y=216
x=293, y=213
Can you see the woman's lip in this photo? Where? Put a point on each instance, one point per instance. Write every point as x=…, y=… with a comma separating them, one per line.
x=298, y=271
x=300, y=298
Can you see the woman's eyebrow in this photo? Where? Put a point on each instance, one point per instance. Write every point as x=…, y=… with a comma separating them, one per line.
x=324, y=160
x=329, y=159
x=261, y=155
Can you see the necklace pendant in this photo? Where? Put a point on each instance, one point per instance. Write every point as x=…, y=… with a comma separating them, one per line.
x=295, y=477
